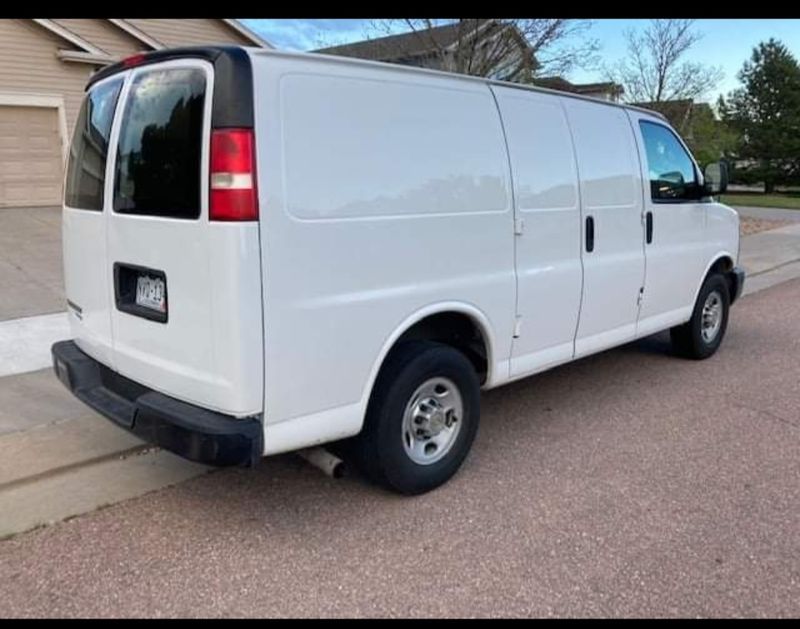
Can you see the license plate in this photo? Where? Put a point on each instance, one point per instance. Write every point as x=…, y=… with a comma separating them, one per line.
x=150, y=293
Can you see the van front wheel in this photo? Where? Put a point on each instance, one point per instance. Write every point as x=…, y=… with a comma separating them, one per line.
x=701, y=336
x=422, y=418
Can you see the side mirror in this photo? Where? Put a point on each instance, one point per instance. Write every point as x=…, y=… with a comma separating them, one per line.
x=715, y=178
x=674, y=177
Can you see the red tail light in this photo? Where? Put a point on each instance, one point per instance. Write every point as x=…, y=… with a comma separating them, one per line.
x=134, y=60
x=233, y=176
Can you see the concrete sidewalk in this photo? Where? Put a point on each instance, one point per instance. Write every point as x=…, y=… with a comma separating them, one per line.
x=59, y=459
x=771, y=257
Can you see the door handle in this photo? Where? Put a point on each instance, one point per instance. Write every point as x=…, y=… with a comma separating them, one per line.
x=589, y=233
x=649, y=227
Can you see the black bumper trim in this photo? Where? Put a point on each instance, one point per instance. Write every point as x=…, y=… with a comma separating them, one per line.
x=189, y=431
x=737, y=276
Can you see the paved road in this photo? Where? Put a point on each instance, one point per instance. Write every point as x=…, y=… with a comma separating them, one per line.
x=629, y=483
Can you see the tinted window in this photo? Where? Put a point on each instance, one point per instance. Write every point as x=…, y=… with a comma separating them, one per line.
x=158, y=158
x=672, y=174
x=86, y=171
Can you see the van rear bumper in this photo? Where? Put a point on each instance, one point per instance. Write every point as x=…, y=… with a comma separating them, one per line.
x=189, y=431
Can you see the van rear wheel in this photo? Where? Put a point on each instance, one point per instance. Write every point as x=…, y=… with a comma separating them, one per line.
x=421, y=420
x=701, y=336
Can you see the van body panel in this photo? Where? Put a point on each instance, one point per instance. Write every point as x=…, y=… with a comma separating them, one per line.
x=722, y=234
x=547, y=202
x=406, y=210
x=611, y=195
x=86, y=282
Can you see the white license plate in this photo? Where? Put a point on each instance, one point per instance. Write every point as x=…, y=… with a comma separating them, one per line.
x=150, y=293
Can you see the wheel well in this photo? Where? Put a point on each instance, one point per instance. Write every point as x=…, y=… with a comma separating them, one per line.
x=455, y=329
x=723, y=265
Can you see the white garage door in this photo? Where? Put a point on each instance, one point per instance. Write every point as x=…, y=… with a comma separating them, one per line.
x=31, y=162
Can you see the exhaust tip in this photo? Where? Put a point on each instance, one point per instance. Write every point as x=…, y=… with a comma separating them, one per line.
x=330, y=464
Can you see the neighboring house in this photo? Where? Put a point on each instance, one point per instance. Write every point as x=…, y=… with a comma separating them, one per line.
x=437, y=49
x=44, y=67
x=604, y=91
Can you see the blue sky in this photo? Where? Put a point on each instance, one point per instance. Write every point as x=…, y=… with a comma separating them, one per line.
x=725, y=43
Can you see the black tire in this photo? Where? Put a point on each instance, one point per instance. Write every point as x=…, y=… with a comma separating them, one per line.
x=687, y=339
x=379, y=451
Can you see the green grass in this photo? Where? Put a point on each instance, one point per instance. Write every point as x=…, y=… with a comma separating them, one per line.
x=787, y=200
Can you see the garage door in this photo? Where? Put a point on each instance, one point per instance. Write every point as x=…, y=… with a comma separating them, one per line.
x=31, y=162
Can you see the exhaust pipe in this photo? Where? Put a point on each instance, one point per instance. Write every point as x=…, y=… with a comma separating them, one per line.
x=320, y=458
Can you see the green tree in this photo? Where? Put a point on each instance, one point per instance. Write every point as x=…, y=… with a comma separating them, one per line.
x=765, y=112
x=709, y=138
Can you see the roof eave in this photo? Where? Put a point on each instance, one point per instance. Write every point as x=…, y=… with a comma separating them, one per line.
x=248, y=33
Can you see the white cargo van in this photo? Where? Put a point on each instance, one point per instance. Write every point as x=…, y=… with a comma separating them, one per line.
x=267, y=251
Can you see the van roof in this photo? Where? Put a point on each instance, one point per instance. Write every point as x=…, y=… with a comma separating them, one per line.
x=226, y=52
x=451, y=75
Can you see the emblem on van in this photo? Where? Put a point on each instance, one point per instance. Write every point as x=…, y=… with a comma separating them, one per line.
x=76, y=309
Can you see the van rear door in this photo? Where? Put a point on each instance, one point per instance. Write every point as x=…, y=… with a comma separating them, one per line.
x=86, y=276
x=184, y=290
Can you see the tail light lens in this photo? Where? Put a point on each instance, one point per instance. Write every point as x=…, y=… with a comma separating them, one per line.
x=134, y=60
x=233, y=176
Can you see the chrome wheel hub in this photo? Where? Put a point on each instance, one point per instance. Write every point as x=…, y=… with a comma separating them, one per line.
x=711, y=319
x=432, y=420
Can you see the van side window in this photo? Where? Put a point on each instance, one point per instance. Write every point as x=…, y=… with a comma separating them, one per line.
x=672, y=172
x=86, y=170
x=160, y=145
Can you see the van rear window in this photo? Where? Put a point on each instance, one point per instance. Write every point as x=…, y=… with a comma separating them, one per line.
x=86, y=170
x=160, y=143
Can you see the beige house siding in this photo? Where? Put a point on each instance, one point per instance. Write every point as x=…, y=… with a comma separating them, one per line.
x=29, y=65
x=41, y=89
x=105, y=35
x=189, y=32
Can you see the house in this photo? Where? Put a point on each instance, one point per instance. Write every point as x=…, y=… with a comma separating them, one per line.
x=501, y=51
x=438, y=48
x=44, y=67
x=605, y=90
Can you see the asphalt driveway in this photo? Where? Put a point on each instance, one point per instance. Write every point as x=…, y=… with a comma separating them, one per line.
x=31, y=277
x=630, y=483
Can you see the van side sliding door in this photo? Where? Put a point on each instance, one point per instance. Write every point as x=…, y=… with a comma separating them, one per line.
x=612, y=247
x=548, y=259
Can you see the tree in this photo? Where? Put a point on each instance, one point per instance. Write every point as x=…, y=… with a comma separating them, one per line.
x=766, y=113
x=655, y=70
x=709, y=138
x=511, y=49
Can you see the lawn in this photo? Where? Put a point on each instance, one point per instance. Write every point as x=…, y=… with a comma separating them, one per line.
x=788, y=200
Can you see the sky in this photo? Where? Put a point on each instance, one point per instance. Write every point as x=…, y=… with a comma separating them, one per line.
x=725, y=43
